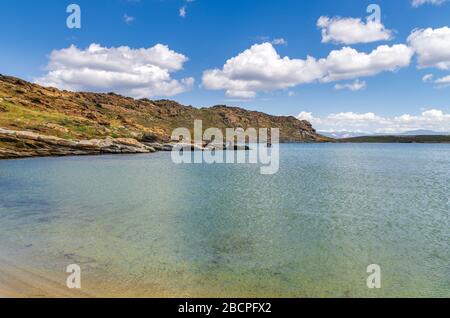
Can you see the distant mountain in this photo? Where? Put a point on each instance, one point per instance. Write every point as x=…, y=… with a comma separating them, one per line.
x=423, y=132
x=341, y=134
x=429, y=139
x=352, y=134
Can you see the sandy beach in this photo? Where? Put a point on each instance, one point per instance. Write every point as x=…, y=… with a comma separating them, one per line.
x=18, y=282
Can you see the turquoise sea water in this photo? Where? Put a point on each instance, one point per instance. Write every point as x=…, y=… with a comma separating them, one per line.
x=141, y=222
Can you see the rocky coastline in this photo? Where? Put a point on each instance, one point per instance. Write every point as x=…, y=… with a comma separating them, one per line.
x=24, y=144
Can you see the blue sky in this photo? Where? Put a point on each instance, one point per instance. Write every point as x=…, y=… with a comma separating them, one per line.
x=214, y=31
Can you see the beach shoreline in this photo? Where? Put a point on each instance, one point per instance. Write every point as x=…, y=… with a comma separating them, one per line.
x=20, y=282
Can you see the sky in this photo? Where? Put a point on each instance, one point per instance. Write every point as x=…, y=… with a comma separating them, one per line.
x=335, y=63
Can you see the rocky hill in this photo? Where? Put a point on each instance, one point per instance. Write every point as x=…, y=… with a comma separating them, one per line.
x=36, y=112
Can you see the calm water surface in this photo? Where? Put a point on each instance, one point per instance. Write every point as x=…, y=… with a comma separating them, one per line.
x=141, y=222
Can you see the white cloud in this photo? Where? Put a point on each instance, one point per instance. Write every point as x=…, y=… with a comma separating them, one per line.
x=433, y=119
x=352, y=30
x=279, y=41
x=432, y=47
x=443, y=81
x=418, y=3
x=348, y=63
x=182, y=12
x=261, y=68
x=427, y=78
x=357, y=85
x=273, y=41
x=139, y=73
x=128, y=19
x=440, y=82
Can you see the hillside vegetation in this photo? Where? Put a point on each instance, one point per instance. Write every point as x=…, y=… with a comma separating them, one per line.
x=49, y=111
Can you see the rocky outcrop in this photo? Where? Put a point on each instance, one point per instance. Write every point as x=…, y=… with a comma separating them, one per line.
x=159, y=146
x=17, y=144
x=21, y=144
x=194, y=147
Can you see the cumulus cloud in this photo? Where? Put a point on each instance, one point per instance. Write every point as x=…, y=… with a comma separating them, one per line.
x=261, y=68
x=357, y=85
x=432, y=47
x=418, y=3
x=351, y=31
x=432, y=119
x=348, y=63
x=139, y=73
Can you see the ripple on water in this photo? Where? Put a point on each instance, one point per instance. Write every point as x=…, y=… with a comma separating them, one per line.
x=141, y=223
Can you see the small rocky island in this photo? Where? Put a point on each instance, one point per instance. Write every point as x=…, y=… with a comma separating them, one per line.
x=41, y=121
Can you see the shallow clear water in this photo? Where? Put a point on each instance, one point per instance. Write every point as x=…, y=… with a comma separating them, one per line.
x=139, y=221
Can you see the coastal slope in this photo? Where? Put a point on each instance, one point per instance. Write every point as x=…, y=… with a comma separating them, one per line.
x=41, y=121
